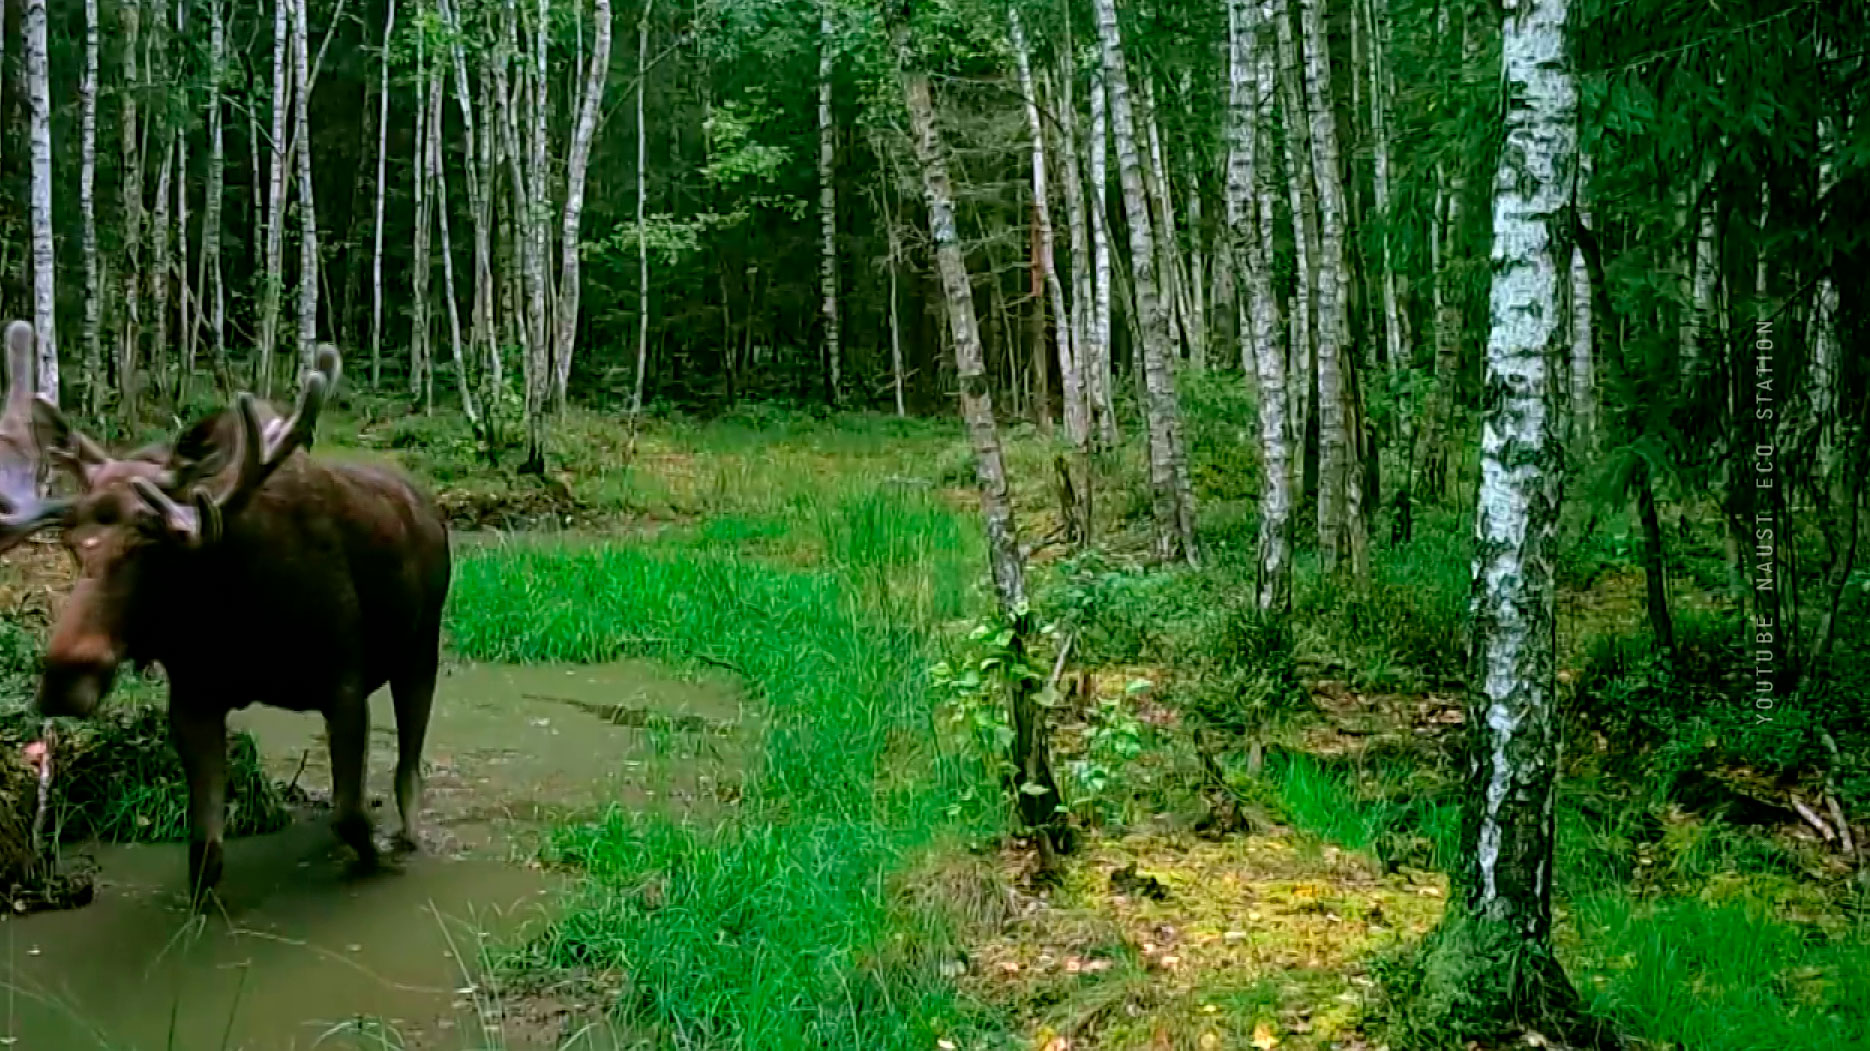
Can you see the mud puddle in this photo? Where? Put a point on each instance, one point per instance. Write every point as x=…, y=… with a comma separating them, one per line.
x=305, y=953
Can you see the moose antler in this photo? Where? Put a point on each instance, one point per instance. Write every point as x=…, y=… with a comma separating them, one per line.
x=21, y=465
x=261, y=447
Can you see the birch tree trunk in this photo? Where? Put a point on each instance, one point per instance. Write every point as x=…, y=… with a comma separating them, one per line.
x=1302, y=194
x=439, y=202
x=87, y=207
x=129, y=333
x=538, y=308
x=1507, y=893
x=1261, y=346
x=308, y=215
x=159, y=262
x=1583, y=352
x=1171, y=486
x=1035, y=790
x=590, y=101
x=421, y=354
x=476, y=156
x=642, y=229
x=1337, y=446
x=44, y=291
x=1395, y=339
x=376, y=251
x=274, y=280
x=1102, y=385
x=1081, y=290
x=828, y=210
x=1070, y=378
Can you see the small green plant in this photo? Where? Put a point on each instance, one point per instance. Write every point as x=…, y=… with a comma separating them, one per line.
x=974, y=687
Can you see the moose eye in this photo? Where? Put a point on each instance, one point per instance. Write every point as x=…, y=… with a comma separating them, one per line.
x=106, y=513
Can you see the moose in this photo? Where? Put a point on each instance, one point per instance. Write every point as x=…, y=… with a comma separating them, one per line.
x=250, y=572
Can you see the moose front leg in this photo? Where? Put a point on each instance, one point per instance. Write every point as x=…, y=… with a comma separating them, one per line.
x=347, y=730
x=201, y=741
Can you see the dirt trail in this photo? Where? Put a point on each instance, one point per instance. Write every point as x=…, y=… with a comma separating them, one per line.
x=307, y=955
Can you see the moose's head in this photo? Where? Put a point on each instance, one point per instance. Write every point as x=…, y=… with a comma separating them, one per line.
x=132, y=517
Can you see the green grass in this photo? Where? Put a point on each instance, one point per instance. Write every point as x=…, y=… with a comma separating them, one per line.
x=1702, y=971
x=773, y=928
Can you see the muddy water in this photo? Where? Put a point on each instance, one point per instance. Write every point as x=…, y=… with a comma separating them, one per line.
x=306, y=953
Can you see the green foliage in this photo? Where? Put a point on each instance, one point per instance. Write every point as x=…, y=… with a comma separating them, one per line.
x=1245, y=677
x=772, y=930
x=1222, y=420
x=974, y=690
x=1407, y=627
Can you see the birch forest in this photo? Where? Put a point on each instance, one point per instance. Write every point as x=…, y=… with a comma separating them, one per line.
x=1316, y=524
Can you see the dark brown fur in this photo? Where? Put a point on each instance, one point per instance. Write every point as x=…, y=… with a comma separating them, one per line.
x=325, y=586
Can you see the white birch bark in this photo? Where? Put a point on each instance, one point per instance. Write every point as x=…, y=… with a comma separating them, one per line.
x=44, y=289
x=159, y=261
x=376, y=250
x=476, y=158
x=1337, y=447
x=1081, y=289
x=642, y=229
x=1102, y=387
x=828, y=209
x=1698, y=319
x=1076, y=431
x=129, y=328
x=590, y=101
x=421, y=355
x=1395, y=339
x=273, y=281
x=87, y=207
x=438, y=173
x=1301, y=191
x=308, y=214
x=1583, y=345
x=1516, y=523
x=1250, y=72
x=1171, y=486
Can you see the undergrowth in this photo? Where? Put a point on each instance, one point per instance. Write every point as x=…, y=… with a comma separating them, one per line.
x=772, y=929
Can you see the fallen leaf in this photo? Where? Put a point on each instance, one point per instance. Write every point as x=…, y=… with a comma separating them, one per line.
x=1263, y=1037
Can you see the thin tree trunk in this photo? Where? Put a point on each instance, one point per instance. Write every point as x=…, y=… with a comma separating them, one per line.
x=87, y=206
x=1102, y=385
x=1303, y=203
x=828, y=210
x=439, y=172
x=1081, y=289
x=1440, y=444
x=376, y=252
x=274, y=280
x=894, y=236
x=1035, y=789
x=421, y=356
x=1172, y=487
x=1250, y=72
x=130, y=325
x=44, y=289
x=642, y=244
x=476, y=154
x=308, y=216
x=1071, y=379
x=1511, y=970
x=538, y=308
x=1583, y=355
x=1337, y=448
x=159, y=264
x=590, y=101
x=1395, y=339
x=187, y=305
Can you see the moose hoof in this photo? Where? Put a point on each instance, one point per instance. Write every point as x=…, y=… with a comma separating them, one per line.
x=204, y=873
x=354, y=831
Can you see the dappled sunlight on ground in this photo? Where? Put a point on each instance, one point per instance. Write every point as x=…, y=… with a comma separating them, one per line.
x=1152, y=942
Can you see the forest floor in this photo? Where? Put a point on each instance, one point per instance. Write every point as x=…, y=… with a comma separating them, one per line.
x=862, y=890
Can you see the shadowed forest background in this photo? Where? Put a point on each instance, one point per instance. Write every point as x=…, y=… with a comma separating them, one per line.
x=1395, y=577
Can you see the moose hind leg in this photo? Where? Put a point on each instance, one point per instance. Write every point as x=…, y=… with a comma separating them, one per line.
x=201, y=741
x=414, y=695
x=347, y=730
